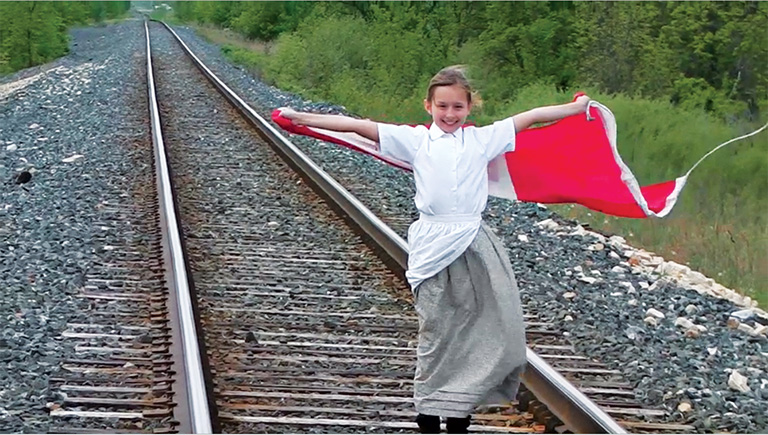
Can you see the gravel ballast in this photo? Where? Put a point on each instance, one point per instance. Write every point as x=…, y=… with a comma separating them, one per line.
x=67, y=124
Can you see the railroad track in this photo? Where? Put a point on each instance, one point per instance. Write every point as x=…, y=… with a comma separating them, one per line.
x=304, y=322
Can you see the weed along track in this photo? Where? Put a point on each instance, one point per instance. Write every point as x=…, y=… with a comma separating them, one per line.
x=301, y=313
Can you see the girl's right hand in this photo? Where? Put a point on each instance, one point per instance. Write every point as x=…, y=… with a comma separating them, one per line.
x=287, y=112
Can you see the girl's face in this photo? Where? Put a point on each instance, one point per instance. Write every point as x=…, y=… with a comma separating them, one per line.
x=449, y=107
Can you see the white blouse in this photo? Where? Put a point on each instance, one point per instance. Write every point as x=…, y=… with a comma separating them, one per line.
x=451, y=174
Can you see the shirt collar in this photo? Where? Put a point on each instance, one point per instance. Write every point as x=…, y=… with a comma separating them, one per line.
x=436, y=132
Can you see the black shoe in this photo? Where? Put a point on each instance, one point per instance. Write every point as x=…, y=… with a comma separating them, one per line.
x=457, y=425
x=428, y=423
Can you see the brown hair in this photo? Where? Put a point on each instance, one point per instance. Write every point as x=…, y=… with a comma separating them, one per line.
x=453, y=75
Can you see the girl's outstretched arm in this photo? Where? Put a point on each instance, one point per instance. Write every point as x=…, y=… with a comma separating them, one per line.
x=363, y=127
x=549, y=113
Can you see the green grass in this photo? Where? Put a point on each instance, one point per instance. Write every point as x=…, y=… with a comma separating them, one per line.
x=734, y=256
x=252, y=55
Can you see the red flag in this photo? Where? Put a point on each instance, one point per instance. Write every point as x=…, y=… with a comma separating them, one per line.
x=574, y=160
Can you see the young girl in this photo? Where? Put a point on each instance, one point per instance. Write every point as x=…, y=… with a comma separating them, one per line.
x=471, y=334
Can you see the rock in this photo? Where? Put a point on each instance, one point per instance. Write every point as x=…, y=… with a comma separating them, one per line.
x=588, y=279
x=691, y=309
x=746, y=328
x=72, y=158
x=523, y=238
x=633, y=332
x=760, y=329
x=569, y=295
x=11, y=147
x=618, y=269
x=632, y=302
x=692, y=333
x=712, y=351
x=547, y=224
x=743, y=315
x=579, y=231
x=652, y=321
x=145, y=338
x=684, y=407
x=273, y=224
x=738, y=382
x=697, y=278
x=685, y=323
x=596, y=247
x=617, y=241
x=568, y=318
x=733, y=323
x=653, y=312
x=670, y=268
x=23, y=177
x=614, y=255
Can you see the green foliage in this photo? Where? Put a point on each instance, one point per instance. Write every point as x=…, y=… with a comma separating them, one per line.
x=252, y=60
x=523, y=43
x=32, y=33
x=35, y=32
x=217, y=13
x=708, y=55
x=266, y=20
x=680, y=77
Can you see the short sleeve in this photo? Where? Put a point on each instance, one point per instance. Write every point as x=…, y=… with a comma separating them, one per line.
x=401, y=141
x=498, y=137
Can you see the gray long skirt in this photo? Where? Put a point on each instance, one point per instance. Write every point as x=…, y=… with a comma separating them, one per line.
x=471, y=332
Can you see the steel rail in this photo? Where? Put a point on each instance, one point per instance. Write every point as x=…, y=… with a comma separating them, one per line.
x=383, y=236
x=571, y=406
x=193, y=415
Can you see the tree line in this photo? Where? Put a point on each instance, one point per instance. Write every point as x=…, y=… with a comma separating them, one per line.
x=709, y=55
x=34, y=32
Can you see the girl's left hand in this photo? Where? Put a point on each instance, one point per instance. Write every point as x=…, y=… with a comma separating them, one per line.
x=583, y=100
